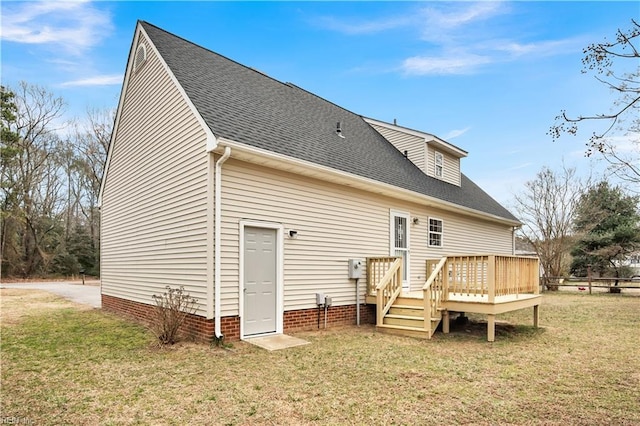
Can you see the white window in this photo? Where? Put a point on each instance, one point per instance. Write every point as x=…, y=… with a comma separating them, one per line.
x=435, y=232
x=438, y=164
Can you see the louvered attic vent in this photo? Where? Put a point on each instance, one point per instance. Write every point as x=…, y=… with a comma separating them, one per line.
x=140, y=58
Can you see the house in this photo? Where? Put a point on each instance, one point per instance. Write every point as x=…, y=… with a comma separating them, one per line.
x=258, y=197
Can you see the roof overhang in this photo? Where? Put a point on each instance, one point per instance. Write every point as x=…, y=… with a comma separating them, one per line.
x=140, y=31
x=277, y=161
x=441, y=144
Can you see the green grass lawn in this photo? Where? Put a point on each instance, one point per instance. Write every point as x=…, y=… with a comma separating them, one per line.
x=66, y=365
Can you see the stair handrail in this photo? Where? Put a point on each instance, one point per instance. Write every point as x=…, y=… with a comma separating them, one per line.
x=434, y=273
x=433, y=296
x=388, y=290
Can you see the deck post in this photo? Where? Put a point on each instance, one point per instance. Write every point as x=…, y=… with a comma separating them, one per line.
x=369, y=276
x=491, y=278
x=445, y=280
x=445, y=321
x=426, y=302
x=491, y=328
x=535, y=316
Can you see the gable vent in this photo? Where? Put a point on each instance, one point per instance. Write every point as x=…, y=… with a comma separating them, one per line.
x=140, y=58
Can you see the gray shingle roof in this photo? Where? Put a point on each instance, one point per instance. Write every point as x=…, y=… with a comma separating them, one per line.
x=246, y=106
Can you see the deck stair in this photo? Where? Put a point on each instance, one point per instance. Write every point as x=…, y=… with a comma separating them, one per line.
x=406, y=318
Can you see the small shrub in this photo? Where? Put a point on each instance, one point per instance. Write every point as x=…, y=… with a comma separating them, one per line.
x=171, y=310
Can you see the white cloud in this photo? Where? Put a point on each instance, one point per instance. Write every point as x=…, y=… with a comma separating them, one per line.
x=541, y=48
x=456, y=132
x=460, y=37
x=431, y=20
x=99, y=80
x=520, y=166
x=73, y=25
x=452, y=64
x=364, y=27
x=626, y=144
x=461, y=14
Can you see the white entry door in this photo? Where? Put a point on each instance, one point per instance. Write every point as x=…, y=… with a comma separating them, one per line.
x=399, y=231
x=260, y=281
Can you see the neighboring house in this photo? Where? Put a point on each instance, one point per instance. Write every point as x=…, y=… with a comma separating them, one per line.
x=524, y=248
x=631, y=261
x=254, y=195
x=634, y=264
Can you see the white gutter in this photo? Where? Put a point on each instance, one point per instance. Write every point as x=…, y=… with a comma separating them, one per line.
x=307, y=168
x=217, y=229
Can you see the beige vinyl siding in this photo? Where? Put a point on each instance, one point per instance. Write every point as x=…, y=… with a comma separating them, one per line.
x=414, y=145
x=451, y=165
x=334, y=223
x=154, y=204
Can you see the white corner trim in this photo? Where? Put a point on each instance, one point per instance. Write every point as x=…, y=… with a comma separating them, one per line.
x=212, y=142
x=217, y=250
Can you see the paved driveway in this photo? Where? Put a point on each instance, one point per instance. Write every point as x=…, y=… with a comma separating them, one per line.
x=86, y=294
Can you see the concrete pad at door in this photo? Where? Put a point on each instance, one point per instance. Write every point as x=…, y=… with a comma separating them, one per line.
x=276, y=342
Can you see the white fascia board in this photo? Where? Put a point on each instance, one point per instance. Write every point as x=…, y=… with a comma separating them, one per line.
x=116, y=123
x=306, y=168
x=428, y=137
x=212, y=141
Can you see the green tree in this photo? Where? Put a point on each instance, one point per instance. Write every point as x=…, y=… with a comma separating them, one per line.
x=608, y=225
x=9, y=150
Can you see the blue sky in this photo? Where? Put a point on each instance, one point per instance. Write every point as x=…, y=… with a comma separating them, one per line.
x=488, y=77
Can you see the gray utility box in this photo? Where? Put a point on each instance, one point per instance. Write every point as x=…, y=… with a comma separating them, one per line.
x=355, y=268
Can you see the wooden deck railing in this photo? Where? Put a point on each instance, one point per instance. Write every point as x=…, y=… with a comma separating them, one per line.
x=490, y=275
x=484, y=276
x=377, y=267
x=433, y=292
x=386, y=275
x=516, y=275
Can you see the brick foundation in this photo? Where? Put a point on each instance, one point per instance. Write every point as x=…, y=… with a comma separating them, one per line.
x=307, y=319
x=201, y=329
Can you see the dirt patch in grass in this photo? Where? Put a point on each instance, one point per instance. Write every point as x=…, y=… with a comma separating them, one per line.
x=69, y=366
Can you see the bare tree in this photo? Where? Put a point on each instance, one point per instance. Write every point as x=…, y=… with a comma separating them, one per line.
x=619, y=141
x=50, y=183
x=91, y=142
x=31, y=177
x=547, y=208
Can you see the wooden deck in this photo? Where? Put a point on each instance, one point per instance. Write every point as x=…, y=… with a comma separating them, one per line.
x=484, y=284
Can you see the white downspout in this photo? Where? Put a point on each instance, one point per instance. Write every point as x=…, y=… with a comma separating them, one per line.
x=217, y=228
